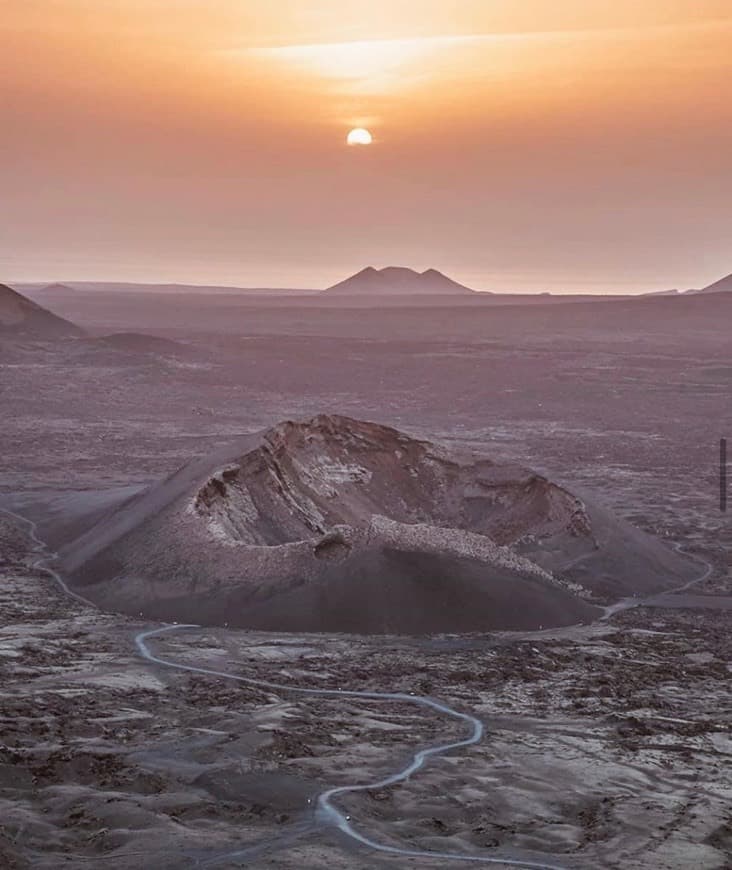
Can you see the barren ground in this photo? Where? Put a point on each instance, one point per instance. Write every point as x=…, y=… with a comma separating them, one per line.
x=606, y=746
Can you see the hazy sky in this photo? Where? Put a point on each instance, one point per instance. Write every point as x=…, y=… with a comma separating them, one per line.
x=518, y=144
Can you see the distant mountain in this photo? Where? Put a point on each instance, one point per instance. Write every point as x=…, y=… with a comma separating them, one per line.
x=19, y=316
x=723, y=285
x=57, y=288
x=398, y=281
x=41, y=290
x=661, y=293
x=48, y=294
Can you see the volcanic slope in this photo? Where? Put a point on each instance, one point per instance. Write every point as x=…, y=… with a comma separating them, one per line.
x=21, y=318
x=724, y=285
x=332, y=524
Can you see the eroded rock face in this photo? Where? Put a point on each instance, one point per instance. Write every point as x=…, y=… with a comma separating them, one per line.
x=333, y=524
x=305, y=478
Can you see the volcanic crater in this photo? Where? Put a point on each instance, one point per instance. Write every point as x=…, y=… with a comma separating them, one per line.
x=333, y=524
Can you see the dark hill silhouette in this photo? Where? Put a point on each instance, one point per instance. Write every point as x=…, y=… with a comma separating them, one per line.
x=723, y=285
x=398, y=281
x=56, y=287
x=137, y=343
x=19, y=316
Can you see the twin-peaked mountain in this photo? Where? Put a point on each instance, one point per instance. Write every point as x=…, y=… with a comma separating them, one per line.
x=398, y=281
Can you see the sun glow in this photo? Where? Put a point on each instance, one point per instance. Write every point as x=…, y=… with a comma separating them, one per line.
x=360, y=67
x=359, y=136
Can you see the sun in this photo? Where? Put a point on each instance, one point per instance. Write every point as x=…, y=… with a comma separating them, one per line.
x=359, y=136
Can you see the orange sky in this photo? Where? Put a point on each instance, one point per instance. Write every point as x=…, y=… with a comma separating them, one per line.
x=518, y=144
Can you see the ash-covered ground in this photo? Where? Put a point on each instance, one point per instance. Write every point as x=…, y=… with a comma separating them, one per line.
x=606, y=745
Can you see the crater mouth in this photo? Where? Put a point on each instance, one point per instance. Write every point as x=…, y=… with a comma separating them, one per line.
x=333, y=546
